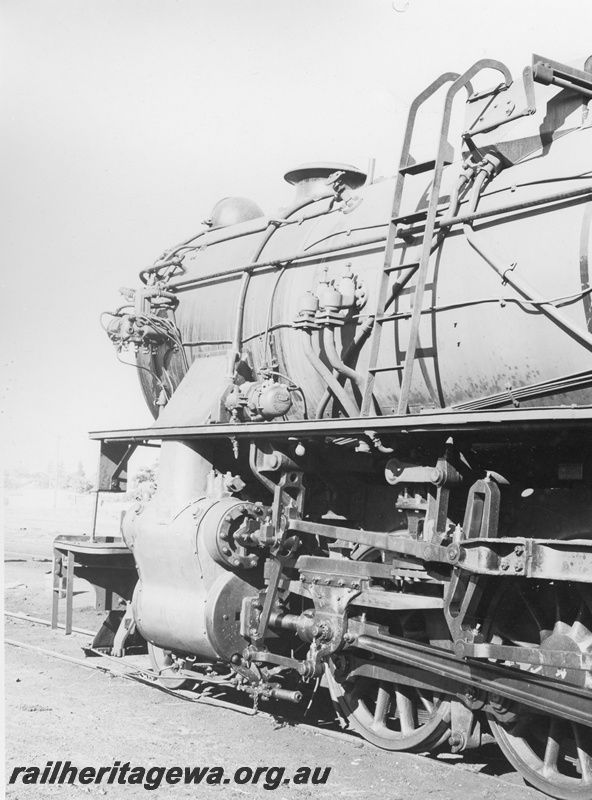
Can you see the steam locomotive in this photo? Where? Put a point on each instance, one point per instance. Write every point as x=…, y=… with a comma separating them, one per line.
x=374, y=411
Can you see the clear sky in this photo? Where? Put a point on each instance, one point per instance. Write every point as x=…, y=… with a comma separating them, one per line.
x=124, y=121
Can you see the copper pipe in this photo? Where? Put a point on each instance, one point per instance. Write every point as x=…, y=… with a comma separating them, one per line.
x=272, y=227
x=327, y=376
x=335, y=361
x=352, y=347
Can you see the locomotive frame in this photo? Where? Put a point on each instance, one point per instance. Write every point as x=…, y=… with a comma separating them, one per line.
x=433, y=565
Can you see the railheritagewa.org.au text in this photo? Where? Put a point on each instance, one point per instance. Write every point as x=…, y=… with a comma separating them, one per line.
x=118, y=774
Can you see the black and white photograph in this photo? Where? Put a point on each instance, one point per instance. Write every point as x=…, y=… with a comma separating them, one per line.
x=297, y=399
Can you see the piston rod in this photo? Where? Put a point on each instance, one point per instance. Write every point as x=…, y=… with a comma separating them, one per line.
x=534, y=691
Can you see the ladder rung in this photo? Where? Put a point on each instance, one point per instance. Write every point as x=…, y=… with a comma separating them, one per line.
x=422, y=166
x=386, y=369
x=409, y=219
x=404, y=265
x=418, y=167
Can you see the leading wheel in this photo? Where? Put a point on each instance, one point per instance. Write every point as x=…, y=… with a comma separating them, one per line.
x=163, y=663
x=390, y=715
x=552, y=754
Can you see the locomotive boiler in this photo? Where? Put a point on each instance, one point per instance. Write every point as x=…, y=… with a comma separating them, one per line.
x=374, y=410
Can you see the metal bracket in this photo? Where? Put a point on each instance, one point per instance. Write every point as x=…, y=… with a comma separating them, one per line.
x=331, y=624
x=288, y=490
x=465, y=727
x=508, y=112
x=553, y=73
x=113, y=461
x=464, y=590
x=541, y=559
x=126, y=627
x=112, y=473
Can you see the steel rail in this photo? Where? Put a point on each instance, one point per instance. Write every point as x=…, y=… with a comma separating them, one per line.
x=345, y=737
x=46, y=622
x=138, y=675
x=33, y=556
x=350, y=738
x=210, y=701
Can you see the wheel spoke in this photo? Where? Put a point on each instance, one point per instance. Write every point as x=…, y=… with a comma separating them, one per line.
x=552, y=754
x=391, y=715
x=406, y=710
x=427, y=703
x=383, y=702
x=529, y=607
x=552, y=748
x=584, y=756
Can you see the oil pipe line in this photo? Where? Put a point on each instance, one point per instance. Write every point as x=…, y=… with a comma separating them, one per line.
x=230, y=236
x=352, y=347
x=378, y=239
x=186, y=244
x=473, y=215
x=335, y=361
x=326, y=375
x=272, y=226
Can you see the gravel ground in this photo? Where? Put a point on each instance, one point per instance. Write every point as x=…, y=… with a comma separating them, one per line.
x=59, y=711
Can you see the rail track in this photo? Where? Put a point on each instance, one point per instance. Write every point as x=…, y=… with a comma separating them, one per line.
x=128, y=669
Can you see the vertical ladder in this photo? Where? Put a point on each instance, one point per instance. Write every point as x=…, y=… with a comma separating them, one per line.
x=406, y=168
x=443, y=157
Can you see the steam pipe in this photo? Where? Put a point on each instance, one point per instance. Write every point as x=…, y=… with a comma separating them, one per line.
x=351, y=348
x=557, y=197
x=326, y=375
x=378, y=239
x=272, y=226
x=227, y=236
x=304, y=254
x=336, y=362
x=370, y=172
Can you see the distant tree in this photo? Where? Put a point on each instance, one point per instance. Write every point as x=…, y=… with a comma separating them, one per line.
x=77, y=481
x=143, y=482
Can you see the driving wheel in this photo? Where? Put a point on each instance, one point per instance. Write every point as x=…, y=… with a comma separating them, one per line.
x=552, y=754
